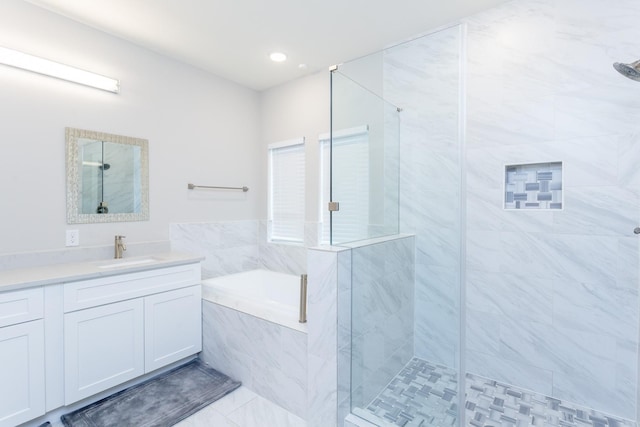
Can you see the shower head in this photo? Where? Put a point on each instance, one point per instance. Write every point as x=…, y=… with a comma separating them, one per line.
x=629, y=70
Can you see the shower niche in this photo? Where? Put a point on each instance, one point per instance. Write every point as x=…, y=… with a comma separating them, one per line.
x=533, y=186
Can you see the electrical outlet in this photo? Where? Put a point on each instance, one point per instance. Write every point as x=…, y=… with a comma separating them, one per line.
x=73, y=237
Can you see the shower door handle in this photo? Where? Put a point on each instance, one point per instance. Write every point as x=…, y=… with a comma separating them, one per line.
x=636, y=230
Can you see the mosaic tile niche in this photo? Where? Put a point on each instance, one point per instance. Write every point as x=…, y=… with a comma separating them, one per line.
x=533, y=186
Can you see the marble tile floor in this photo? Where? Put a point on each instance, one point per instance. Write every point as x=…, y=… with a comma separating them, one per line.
x=425, y=394
x=240, y=408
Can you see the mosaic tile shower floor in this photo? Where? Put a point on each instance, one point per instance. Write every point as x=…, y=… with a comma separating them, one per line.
x=424, y=394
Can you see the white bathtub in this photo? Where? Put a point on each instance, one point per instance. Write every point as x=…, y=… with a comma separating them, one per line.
x=265, y=294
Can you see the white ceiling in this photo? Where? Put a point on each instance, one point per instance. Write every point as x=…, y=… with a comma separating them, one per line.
x=233, y=38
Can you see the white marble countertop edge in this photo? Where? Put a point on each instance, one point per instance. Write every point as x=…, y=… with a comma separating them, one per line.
x=23, y=278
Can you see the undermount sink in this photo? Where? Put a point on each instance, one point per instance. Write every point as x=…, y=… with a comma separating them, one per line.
x=127, y=262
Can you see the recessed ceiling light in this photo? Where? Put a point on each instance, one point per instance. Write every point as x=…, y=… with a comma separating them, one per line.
x=278, y=57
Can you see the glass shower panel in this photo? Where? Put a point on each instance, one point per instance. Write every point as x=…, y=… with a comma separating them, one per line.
x=425, y=77
x=382, y=329
x=406, y=289
x=364, y=162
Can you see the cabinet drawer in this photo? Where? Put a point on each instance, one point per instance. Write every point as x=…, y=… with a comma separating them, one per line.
x=106, y=290
x=21, y=306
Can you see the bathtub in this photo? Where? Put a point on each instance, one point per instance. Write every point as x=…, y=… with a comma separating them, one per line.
x=250, y=331
x=265, y=294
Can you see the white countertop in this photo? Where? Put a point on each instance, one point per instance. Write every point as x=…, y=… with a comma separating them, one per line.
x=22, y=278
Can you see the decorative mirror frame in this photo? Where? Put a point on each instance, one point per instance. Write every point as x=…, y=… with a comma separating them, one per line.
x=74, y=181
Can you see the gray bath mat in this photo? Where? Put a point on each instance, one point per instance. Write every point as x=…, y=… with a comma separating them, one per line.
x=161, y=401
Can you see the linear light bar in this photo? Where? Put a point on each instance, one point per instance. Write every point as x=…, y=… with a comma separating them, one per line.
x=39, y=65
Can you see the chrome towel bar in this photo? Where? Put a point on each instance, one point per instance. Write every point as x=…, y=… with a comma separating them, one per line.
x=193, y=186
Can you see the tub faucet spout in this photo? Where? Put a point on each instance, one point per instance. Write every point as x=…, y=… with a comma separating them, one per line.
x=120, y=246
x=303, y=298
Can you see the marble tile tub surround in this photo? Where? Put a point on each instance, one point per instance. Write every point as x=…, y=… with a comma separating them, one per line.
x=235, y=246
x=540, y=87
x=228, y=247
x=268, y=358
x=326, y=274
x=295, y=370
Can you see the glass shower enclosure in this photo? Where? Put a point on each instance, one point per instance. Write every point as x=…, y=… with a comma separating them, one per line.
x=496, y=256
x=364, y=162
x=400, y=213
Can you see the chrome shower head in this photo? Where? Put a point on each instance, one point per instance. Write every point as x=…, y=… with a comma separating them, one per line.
x=631, y=71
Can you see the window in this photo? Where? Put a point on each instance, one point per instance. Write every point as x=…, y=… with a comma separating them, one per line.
x=351, y=184
x=286, y=191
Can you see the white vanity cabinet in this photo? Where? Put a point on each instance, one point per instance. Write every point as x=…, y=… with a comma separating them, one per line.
x=103, y=347
x=119, y=327
x=173, y=326
x=22, y=356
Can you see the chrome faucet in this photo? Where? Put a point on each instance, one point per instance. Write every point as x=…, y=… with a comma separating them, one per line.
x=120, y=246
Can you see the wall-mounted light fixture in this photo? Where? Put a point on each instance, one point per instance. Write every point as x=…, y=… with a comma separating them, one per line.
x=39, y=65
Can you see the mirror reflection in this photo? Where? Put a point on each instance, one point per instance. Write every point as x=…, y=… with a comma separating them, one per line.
x=107, y=177
x=111, y=180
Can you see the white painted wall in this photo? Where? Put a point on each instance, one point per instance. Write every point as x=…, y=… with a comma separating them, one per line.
x=296, y=109
x=201, y=129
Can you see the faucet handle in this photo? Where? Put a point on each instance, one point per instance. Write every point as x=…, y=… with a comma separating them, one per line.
x=119, y=246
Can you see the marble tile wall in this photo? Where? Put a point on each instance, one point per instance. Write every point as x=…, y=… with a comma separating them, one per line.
x=349, y=360
x=382, y=314
x=269, y=359
x=344, y=333
x=324, y=264
x=228, y=247
x=282, y=257
x=422, y=77
x=542, y=287
x=234, y=246
x=551, y=297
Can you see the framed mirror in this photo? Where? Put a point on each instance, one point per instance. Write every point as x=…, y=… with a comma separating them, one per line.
x=107, y=177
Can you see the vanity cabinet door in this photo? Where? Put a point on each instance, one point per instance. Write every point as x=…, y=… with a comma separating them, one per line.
x=104, y=347
x=173, y=326
x=21, y=373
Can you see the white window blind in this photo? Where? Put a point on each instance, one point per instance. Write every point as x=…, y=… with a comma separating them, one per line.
x=286, y=191
x=350, y=184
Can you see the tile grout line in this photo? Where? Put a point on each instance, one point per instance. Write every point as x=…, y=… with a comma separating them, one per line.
x=424, y=394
